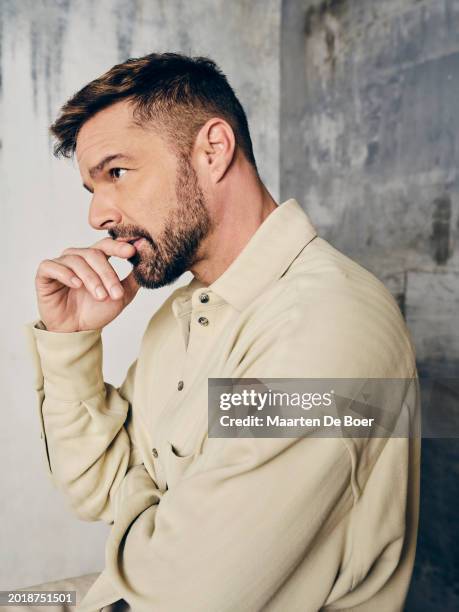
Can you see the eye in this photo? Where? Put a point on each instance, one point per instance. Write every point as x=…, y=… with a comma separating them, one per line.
x=117, y=173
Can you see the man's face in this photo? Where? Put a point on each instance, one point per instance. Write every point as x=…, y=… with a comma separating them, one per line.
x=142, y=193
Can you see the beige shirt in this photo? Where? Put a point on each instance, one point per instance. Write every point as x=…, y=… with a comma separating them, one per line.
x=205, y=524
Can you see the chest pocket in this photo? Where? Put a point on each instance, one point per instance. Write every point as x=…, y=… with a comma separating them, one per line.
x=176, y=465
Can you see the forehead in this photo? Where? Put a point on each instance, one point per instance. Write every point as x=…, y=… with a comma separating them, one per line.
x=108, y=129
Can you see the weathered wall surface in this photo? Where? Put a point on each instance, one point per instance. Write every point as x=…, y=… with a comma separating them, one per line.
x=370, y=145
x=49, y=49
x=352, y=106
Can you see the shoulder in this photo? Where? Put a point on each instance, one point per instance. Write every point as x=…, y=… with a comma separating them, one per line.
x=328, y=283
x=329, y=316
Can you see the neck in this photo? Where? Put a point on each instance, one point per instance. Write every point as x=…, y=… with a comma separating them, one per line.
x=237, y=218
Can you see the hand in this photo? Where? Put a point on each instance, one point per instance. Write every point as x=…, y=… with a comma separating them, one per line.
x=80, y=290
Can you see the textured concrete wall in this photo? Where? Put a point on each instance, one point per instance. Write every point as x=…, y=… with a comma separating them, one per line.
x=366, y=94
x=49, y=49
x=370, y=145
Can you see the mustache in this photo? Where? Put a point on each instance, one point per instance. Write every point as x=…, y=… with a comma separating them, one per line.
x=130, y=231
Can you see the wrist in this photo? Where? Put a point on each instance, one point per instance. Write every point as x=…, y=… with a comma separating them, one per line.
x=61, y=330
x=71, y=363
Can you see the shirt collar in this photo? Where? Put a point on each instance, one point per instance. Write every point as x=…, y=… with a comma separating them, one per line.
x=265, y=258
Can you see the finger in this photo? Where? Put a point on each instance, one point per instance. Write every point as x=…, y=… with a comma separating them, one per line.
x=130, y=286
x=86, y=273
x=50, y=271
x=117, y=248
x=108, y=247
x=98, y=262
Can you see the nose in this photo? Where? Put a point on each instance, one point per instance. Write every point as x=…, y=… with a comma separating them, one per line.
x=103, y=213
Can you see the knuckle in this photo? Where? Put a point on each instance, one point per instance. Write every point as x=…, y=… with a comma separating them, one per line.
x=101, y=243
x=43, y=265
x=45, y=269
x=108, y=270
x=65, y=259
x=98, y=255
x=73, y=261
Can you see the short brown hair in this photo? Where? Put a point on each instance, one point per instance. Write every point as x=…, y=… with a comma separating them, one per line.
x=181, y=92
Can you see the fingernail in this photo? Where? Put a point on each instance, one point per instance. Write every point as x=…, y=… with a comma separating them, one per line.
x=100, y=293
x=127, y=248
x=116, y=292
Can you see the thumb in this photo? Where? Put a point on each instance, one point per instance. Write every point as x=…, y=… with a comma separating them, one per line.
x=130, y=287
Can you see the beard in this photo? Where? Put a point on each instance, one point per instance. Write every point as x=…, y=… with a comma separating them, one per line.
x=162, y=261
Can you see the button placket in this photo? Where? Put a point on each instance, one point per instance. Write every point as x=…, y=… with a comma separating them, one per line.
x=202, y=298
x=157, y=452
x=203, y=326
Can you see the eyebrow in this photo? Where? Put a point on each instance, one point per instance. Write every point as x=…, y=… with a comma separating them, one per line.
x=97, y=169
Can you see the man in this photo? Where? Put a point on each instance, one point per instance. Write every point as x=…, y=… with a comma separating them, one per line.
x=199, y=523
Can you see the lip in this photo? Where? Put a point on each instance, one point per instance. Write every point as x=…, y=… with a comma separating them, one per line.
x=132, y=241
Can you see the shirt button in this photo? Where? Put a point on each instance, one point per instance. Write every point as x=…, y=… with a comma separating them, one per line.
x=155, y=453
x=180, y=385
x=204, y=298
x=203, y=321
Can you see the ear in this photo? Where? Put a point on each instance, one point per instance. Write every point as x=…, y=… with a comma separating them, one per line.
x=215, y=148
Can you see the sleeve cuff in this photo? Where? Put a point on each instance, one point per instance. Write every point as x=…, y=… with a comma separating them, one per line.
x=67, y=365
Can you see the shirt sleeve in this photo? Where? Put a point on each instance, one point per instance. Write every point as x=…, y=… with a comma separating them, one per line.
x=248, y=513
x=230, y=532
x=87, y=428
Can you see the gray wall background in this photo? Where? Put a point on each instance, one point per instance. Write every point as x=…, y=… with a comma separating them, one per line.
x=353, y=110
x=369, y=143
x=49, y=49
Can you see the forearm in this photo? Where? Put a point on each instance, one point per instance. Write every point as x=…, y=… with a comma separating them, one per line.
x=228, y=535
x=85, y=421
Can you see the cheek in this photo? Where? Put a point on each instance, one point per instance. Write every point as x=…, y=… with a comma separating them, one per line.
x=150, y=199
